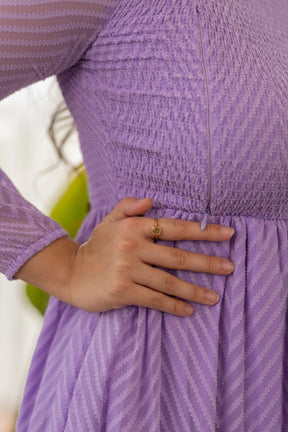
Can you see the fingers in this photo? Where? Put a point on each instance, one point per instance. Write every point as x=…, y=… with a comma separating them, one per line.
x=128, y=206
x=175, y=258
x=166, y=283
x=180, y=229
x=172, y=229
x=142, y=296
x=154, y=288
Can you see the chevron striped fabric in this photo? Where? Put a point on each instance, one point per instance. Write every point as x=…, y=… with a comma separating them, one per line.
x=185, y=102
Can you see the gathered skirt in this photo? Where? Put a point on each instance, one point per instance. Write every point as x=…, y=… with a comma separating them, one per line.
x=225, y=368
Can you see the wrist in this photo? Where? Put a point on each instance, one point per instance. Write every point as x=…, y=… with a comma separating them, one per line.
x=50, y=269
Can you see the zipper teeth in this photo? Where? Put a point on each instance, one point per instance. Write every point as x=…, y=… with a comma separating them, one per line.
x=207, y=95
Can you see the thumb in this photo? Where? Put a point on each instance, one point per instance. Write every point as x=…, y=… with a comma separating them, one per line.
x=129, y=206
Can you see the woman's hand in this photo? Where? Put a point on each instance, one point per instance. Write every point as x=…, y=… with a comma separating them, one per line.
x=114, y=267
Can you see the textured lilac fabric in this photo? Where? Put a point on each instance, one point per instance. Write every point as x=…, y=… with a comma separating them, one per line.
x=38, y=38
x=185, y=102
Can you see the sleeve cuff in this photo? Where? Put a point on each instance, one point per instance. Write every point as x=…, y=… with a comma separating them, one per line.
x=27, y=253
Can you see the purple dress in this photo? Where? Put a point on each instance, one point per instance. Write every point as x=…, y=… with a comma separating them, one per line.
x=187, y=103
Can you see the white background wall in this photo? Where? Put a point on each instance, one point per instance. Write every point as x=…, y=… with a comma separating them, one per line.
x=25, y=153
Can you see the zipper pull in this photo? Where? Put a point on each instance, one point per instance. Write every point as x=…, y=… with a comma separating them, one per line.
x=204, y=221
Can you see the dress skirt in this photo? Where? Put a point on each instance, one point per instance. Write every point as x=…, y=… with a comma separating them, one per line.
x=225, y=368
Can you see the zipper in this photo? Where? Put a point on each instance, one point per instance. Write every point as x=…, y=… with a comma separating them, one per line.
x=207, y=96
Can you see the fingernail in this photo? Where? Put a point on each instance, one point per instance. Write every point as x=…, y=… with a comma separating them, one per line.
x=227, y=265
x=141, y=200
x=227, y=231
x=212, y=297
x=188, y=310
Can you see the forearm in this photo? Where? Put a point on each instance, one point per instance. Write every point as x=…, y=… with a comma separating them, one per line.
x=50, y=269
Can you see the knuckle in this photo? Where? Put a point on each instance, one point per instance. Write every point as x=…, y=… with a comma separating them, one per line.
x=130, y=223
x=211, y=264
x=177, y=308
x=213, y=232
x=195, y=293
x=159, y=302
x=121, y=268
x=117, y=288
x=218, y=265
x=181, y=257
x=210, y=232
x=181, y=226
x=170, y=284
x=126, y=246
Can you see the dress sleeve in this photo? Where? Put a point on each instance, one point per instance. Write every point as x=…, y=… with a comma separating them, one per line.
x=38, y=38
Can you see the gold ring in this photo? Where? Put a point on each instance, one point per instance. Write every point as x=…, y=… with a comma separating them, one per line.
x=156, y=230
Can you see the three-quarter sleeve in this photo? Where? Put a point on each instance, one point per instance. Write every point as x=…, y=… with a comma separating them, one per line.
x=38, y=38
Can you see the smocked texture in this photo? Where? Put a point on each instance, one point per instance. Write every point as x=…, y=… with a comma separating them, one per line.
x=185, y=102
